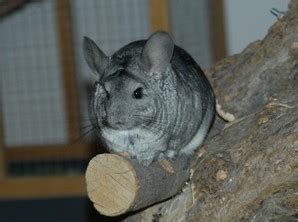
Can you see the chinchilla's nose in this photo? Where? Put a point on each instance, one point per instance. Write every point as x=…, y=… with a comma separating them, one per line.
x=115, y=122
x=117, y=125
x=117, y=115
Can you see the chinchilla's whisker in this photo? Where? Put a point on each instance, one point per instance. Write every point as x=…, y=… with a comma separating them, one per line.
x=153, y=122
x=85, y=118
x=149, y=125
x=140, y=118
x=88, y=121
x=84, y=134
x=148, y=122
x=145, y=118
x=87, y=126
x=150, y=129
x=143, y=123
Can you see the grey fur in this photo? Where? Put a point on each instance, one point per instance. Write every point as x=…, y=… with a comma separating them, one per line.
x=177, y=108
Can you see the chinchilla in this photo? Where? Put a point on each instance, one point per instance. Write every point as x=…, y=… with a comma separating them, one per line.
x=151, y=99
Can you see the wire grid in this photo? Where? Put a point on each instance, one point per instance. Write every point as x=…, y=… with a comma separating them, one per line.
x=31, y=78
x=190, y=27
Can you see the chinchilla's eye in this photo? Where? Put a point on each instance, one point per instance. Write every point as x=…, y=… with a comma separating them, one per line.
x=138, y=93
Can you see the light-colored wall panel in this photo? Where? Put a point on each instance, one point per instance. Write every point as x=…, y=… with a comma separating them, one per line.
x=247, y=21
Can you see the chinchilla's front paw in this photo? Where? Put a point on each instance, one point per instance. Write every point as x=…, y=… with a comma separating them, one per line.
x=124, y=154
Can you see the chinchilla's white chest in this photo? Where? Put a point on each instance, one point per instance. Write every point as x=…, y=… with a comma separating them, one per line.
x=136, y=142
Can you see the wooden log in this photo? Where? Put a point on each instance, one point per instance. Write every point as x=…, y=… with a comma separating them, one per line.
x=116, y=184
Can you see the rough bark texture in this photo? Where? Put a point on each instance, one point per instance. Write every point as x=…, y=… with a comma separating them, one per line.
x=248, y=169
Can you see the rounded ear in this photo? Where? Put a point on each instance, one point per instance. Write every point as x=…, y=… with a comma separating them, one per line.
x=158, y=52
x=95, y=58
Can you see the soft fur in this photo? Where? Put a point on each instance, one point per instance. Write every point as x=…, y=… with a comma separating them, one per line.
x=176, y=108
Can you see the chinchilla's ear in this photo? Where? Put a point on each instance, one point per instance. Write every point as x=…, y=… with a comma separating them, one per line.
x=95, y=58
x=158, y=52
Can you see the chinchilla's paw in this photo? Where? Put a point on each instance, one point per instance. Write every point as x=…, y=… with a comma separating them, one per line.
x=166, y=164
x=124, y=154
x=171, y=154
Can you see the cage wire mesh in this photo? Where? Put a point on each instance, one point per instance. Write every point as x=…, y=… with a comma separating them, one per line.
x=191, y=30
x=31, y=67
x=31, y=82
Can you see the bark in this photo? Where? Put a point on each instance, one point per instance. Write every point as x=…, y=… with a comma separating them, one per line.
x=248, y=169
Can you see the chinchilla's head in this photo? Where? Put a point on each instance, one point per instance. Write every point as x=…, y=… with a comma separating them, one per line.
x=126, y=94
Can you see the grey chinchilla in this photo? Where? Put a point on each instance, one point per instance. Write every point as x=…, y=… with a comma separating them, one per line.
x=151, y=99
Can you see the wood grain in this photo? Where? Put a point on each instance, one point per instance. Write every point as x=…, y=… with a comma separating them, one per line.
x=116, y=184
x=112, y=184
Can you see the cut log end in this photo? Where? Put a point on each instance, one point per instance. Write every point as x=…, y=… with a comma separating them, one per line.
x=117, y=185
x=112, y=184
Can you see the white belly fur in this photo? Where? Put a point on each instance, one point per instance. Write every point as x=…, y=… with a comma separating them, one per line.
x=118, y=141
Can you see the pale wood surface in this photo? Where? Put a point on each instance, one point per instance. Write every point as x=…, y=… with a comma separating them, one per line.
x=112, y=184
